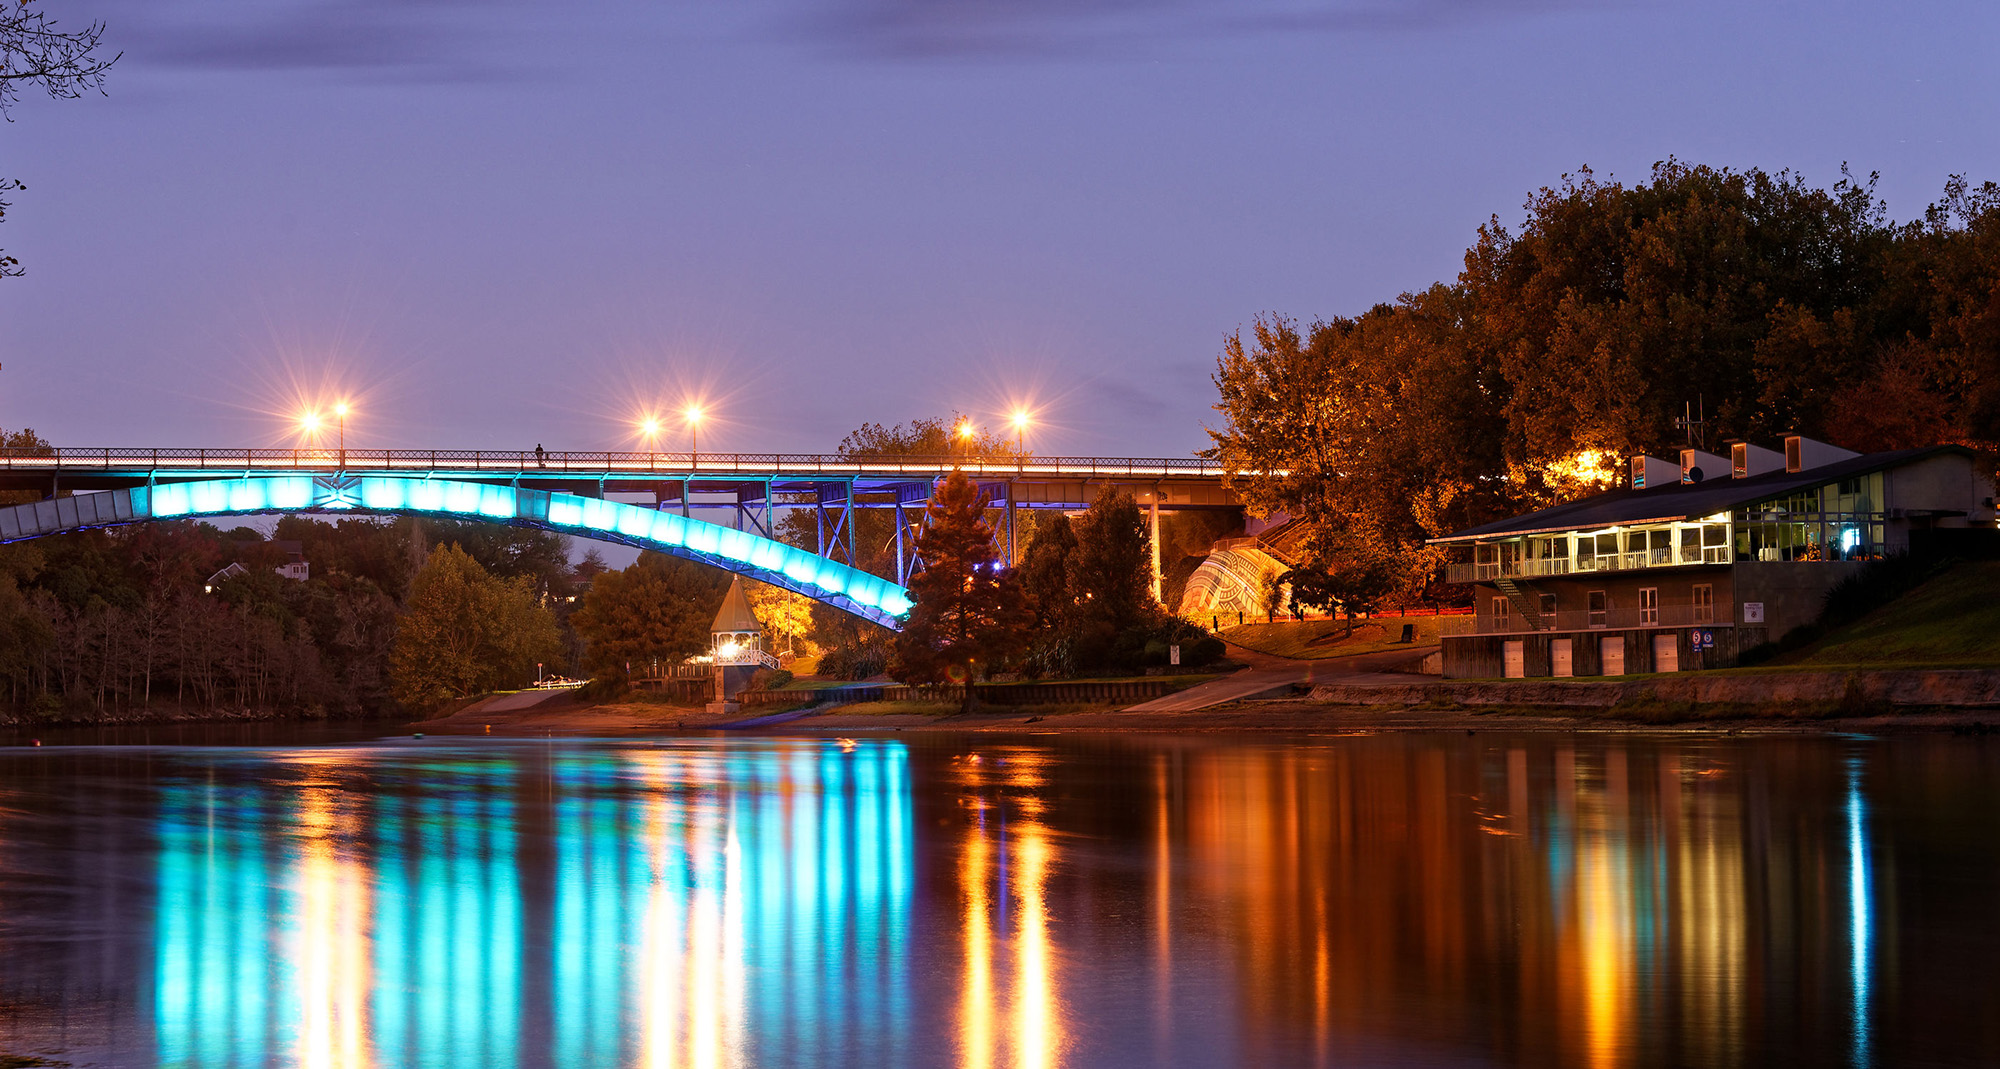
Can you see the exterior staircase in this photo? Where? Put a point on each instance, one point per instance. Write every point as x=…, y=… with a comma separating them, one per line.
x=1523, y=600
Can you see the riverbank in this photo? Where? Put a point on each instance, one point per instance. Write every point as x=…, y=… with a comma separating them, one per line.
x=565, y=716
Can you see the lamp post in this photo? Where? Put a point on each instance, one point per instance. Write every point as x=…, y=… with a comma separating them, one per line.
x=693, y=414
x=1020, y=431
x=340, y=411
x=965, y=435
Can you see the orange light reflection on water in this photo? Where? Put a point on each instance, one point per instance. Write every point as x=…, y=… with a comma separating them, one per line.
x=1006, y=835
x=333, y=945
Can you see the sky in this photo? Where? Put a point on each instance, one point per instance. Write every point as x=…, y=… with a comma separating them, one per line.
x=495, y=224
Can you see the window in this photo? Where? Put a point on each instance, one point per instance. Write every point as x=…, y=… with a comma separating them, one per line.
x=1704, y=603
x=1649, y=605
x=1599, y=605
x=1548, y=605
x=1499, y=608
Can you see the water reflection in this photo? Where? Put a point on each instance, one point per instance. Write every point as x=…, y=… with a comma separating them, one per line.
x=1011, y=1010
x=1534, y=900
x=404, y=902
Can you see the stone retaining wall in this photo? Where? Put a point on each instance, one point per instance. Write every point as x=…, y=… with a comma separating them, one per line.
x=1969, y=688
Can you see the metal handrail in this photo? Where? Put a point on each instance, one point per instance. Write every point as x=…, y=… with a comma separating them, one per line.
x=101, y=458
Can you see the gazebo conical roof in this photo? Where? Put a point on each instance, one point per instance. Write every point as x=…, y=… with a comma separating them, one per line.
x=735, y=614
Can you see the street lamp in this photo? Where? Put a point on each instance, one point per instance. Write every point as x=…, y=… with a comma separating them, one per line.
x=309, y=427
x=1020, y=430
x=340, y=410
x=693, y=415
x=965, y=435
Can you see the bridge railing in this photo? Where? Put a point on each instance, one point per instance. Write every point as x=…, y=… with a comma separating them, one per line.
x=528, y=462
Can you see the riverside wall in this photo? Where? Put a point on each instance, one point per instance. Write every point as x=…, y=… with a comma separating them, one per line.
x=1970, y=688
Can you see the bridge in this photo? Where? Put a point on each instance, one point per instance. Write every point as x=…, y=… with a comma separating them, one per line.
x=643, y=499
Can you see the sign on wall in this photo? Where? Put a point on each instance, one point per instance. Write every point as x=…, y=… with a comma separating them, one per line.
x=1753, y=612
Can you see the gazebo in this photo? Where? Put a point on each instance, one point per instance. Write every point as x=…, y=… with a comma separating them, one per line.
x=736, y=645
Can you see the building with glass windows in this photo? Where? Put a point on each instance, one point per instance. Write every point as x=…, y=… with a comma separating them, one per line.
x=1690, y=564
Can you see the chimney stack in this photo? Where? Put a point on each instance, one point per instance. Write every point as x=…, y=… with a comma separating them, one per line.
x=1804, y=454
x=1697, y=466
x=1652, y=472
x=1747, y=461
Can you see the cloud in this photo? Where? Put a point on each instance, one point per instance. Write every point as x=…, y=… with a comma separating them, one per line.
x=374, y=40
x=927, y=28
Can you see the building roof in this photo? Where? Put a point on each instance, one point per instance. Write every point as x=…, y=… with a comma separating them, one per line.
x=1688, y=501
x=735, y=614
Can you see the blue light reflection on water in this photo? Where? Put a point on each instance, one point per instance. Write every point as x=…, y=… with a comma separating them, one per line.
x=1860, y=905
x=693, y=887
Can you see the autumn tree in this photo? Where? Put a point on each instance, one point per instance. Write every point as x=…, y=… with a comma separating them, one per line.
x=656, y=610
x=1583, y=334
x=967, y=611
x=467, y=631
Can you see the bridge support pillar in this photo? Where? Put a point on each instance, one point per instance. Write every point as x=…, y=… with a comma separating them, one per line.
x=1158, y=578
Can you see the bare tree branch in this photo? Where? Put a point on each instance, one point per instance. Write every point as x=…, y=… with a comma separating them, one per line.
x=33, y=51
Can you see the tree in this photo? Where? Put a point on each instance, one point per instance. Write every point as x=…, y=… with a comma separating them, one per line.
x=34, y=52
x=1045, y=574
x=967, y=611
x=1111, y=582
x=467, y=632
x=658, y=609
x=1357, y=579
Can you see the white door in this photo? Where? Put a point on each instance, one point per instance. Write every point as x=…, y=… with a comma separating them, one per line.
x=1559, y=658
x=1666, y=653
x=1611, y=653
x=1513, y=653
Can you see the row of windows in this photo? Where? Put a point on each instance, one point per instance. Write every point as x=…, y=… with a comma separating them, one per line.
x=1599, y=612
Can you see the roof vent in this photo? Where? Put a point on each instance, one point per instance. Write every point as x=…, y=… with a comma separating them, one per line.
x=1746, y=460
x=1697, y=465
x=1653, y=472
x=1804, y=454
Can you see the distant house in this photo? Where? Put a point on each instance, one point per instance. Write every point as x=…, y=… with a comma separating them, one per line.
x=293, y=566
x=1695, y=562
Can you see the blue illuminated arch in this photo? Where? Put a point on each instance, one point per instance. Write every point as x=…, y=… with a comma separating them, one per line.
x=846, y=588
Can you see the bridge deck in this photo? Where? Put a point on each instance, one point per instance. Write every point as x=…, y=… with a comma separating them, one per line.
x=1180, y=482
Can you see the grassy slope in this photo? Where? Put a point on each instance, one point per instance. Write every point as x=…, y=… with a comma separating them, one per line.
x=1318, y=639
x=1953, y=620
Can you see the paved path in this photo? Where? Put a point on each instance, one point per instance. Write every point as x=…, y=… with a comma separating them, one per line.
x=507, y=703
x=1267, y=673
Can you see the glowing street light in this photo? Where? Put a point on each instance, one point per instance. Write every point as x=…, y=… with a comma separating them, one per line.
x=1020, y=429
x=693, y=415
x=340, y=411
x=649, y=432
x=965, y=434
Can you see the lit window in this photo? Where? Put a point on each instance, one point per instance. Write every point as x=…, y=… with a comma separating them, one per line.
x=1704, y=603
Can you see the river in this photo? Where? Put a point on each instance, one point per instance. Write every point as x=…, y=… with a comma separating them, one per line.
x=1426, y=899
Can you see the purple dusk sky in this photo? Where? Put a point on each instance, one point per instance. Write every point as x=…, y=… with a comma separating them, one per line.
x=501, y=223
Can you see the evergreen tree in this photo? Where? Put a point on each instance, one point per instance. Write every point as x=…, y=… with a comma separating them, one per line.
x=1111, y=583
x=967, y=613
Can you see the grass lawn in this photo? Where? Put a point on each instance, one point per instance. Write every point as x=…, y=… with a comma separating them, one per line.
x=1951, y=621
x=1318, y=639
